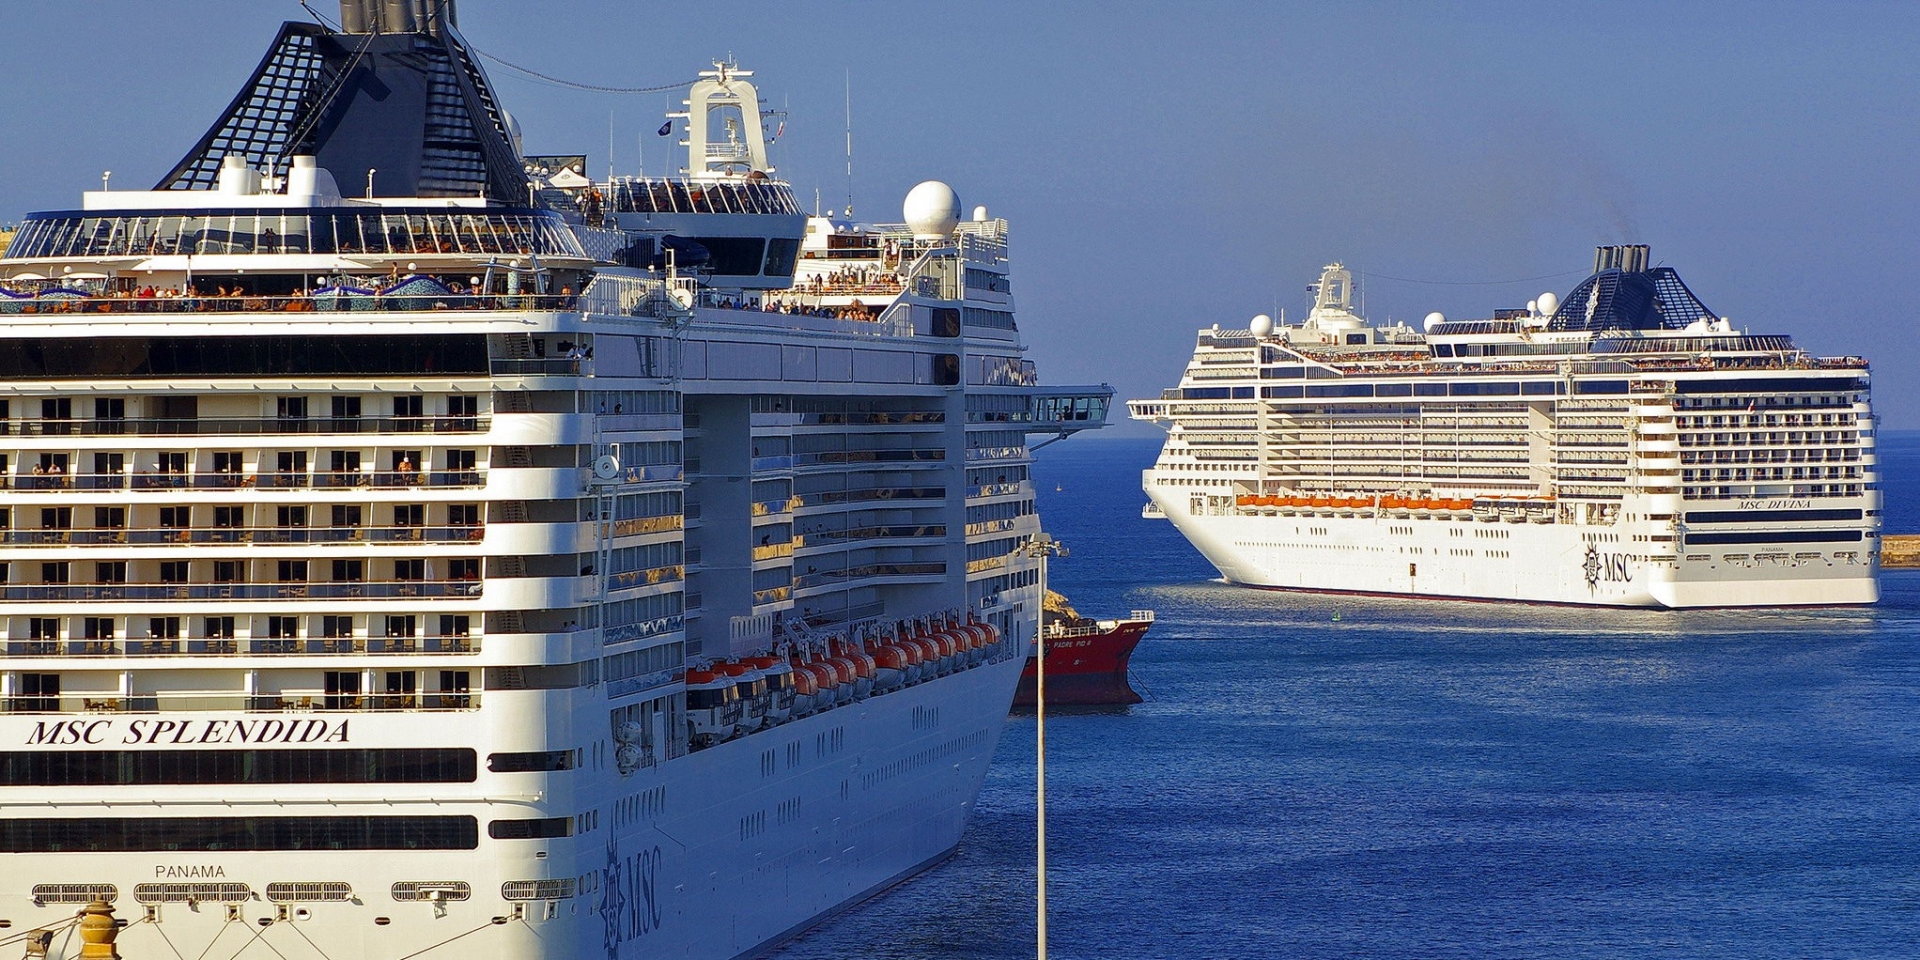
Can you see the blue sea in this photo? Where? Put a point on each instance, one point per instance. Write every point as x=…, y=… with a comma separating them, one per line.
x=1319, y=777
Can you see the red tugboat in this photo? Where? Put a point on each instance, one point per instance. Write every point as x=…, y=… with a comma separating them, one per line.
x=1086, y=658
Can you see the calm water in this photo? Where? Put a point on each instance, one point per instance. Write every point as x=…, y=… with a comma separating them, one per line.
x=1339, y=777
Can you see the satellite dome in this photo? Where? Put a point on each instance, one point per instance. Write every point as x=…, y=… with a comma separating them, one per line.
x=931, y=210
x=1549, y=303
x=513, y=133
x=980, y=214
x=1435, y=319
x=1261, y=326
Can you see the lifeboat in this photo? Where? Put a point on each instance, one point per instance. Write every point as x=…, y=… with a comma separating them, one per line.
x=1486, y=508
x=982, y=642
x=944, y=647
x=890, y=666
x=805, y=688
x=1394, y=504
x=1460, y=506
x=1540, y=509
x=864, y=670
x=826, y=682
x=1245, y=501
x=926, y=657
x=1420, y=507
x=713, y=706
x=1365, y=503
x=780, y=689
x=754, y=699
x=849, y=675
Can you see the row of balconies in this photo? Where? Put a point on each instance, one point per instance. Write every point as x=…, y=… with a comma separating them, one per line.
x=242, y=535
x=225, y=702
x=231, y=646
x=235, y=480
x=303, y=590
x=243, y=426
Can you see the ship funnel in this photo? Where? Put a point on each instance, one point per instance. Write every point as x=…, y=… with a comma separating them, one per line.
x=396, y=16
x=1626, y=258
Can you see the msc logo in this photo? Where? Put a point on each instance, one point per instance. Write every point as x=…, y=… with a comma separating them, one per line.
x=1605, y=568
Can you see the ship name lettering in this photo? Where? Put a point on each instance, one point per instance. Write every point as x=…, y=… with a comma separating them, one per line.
x=1794, y=504
x=236, y=731
x=188, y=732
x=69, y=732
x=189, y=872
x=1615, y=570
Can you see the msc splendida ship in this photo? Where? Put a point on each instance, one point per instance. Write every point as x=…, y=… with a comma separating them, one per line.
x=1624, y=447
x=414, y=549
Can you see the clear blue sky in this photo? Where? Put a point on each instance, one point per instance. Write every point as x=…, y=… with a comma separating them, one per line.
x=1172, y=165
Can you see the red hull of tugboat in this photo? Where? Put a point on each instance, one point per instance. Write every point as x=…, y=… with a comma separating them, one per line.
x=1087, y=669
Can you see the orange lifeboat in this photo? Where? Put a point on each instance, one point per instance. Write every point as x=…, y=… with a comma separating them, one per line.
x=1320, y=502
x=1393, y=502
x=804, y=687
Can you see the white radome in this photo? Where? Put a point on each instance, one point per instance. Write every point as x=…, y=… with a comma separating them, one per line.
x=1261, y=326
x=980, y=214
x=1435, y=319
x=1548, y=303
x=931, y=210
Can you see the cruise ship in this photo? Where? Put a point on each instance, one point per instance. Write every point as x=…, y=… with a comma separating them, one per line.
x=413, y=548
x=1625, y=446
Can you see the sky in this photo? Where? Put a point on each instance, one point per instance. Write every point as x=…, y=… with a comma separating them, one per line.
x=1165, y=167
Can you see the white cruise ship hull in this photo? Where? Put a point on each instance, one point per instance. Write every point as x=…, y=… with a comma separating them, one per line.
x=1526, y=562
x=716, y=854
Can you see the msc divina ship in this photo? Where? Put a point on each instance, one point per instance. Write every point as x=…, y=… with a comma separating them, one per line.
x=415, y=549
x=1624, y=447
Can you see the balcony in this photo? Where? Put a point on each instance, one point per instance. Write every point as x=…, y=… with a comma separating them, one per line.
x=356, y=590
x=249, y=426
x=230, y=646
x=244, y=535
x=223, y=701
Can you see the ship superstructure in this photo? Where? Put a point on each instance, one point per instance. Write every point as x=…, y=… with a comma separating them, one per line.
x=413, y=548
x=1624, y=447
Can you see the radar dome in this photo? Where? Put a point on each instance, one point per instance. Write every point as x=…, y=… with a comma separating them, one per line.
x=931, y=210
x=513, y=133
x=1549, y=303
x=980, y=214
x=1435, y=319
x=1261, y=326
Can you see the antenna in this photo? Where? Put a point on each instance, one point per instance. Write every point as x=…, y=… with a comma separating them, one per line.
x=849, y=143
x=609, y=146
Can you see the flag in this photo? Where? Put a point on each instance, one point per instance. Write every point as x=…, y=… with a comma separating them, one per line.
x=778, y=130
x=665, y=128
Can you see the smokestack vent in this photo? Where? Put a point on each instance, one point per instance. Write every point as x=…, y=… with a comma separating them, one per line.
x=1626, y=258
